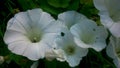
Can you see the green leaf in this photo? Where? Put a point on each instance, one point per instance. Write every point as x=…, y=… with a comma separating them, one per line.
x=74, y=5
x=26, y=4
x=59, y=3
x=48, y=8
x=56, y=64
x=20, y=60
x=88, y=8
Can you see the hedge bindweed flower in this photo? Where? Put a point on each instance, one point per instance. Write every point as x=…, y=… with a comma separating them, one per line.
x=88, y=35
x=31, y=33
x=109, y=12
x=68, y=50
x=113, y=50
x=69, y=18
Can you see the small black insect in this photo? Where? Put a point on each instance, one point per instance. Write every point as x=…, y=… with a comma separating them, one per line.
x=62, y=34
x=94, y=29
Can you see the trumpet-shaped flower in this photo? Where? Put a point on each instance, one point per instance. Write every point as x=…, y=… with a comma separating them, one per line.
x=68, y=50
x=31, y=33
x=109, y=12
x=113, y=50
x=70, y=18
x=88, y=35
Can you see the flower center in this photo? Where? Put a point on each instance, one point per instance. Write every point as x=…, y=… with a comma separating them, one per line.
x=34, y=38
x=87, y=38
x=70, y=50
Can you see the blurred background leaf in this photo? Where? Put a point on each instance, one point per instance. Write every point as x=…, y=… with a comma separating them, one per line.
x=20, y=60
x=59, y=3
x=26, y=4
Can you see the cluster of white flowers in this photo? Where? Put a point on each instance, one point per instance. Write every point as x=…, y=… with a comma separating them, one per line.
x=109, y=12
x=35, y=34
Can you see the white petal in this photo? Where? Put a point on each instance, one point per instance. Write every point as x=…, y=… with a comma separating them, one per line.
x=107, y=5
x=83, y=26
x=113, y=6
x=115, y=29
x=34, y=15
x=36, y=51
x=111, y=51
x=88, y=35
x=39, y=18
x=35, y=64
x=44, y=47
x=45, y=20
x=100, y=41
x=84, y=32
x=55, y=27
x=33, y=52
x=73, y=61
x=67, y=39
x=13, y=36
x=81, y=43
x=105, y=19
x=49, y=39
x=20, y=22
x=99, y=46
x=100, y=5
x=70, y=18
x=117, y=62
x=18, y=47
x=81, y=52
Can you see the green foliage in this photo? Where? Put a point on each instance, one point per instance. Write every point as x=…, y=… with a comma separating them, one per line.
x=59, y=3
x=73, y=5
x=20, y=60
x=56, y=64
x=26, y=4
x=97, y=60
x=87, y=8
x=48, y=8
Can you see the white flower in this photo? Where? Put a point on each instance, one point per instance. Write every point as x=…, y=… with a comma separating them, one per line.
x=113, y=50
x=88, y=35
x=1, y=60
x=70, y=18
x=68, y=50
x=31, y=33
x=109, y=11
